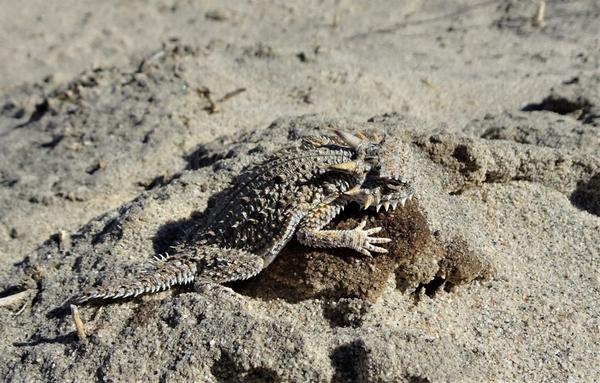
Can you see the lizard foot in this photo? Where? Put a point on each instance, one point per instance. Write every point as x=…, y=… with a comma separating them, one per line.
x=362, y=241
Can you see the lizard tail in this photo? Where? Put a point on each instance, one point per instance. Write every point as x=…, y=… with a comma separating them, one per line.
x=165, y=271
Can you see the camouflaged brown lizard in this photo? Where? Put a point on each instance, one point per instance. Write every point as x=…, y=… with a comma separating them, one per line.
x=298, y=190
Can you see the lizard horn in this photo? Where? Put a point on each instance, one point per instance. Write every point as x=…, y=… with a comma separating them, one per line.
x=345, y=166
x=349, y=138
x=361, y=135
x=354, y=191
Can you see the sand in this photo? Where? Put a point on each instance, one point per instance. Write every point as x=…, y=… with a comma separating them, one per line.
x=118, y=122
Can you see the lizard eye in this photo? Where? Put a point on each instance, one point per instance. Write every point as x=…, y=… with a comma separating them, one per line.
x=396, y=184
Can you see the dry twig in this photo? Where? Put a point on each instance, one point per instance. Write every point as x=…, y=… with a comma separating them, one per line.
x=538, y=19
x=213, y=106
x=81, y=333
x=14, y=299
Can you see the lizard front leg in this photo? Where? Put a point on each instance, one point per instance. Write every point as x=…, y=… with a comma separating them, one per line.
x=311, y=233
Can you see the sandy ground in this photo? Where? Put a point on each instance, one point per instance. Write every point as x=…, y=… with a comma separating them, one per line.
x=119, y=120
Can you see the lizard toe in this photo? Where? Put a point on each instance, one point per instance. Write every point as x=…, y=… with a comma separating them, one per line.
x=379, y=240
x=376, y=249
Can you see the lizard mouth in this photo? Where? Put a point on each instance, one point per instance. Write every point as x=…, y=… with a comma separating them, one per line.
x=391, y=200
x=386, y=195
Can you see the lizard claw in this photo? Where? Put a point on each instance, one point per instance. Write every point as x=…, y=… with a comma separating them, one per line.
x=363, y=242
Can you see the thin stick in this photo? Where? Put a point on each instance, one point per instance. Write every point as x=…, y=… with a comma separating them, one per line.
x=78, y=323
x=231, y=94
x=14, y=299
x=64, y=240
x=214, y=106
x=538, y=19
x=143, y=67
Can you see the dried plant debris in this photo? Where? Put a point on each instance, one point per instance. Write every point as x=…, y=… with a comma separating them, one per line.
x=15, y=299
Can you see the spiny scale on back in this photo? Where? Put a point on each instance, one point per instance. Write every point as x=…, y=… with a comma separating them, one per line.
x=255, y=213
x=299, y=189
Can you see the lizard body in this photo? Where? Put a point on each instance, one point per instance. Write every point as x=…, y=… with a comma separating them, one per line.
x=297, y=190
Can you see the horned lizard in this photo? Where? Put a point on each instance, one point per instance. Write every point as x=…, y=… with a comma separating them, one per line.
x=297, y=190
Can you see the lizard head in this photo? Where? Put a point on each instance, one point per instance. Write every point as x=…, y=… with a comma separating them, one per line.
x=382, y=164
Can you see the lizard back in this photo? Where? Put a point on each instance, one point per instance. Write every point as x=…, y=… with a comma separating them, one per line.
x=260, y=211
